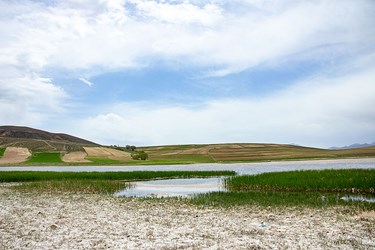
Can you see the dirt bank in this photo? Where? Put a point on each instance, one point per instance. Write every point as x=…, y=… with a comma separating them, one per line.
x=34, y=221
x=15, y=155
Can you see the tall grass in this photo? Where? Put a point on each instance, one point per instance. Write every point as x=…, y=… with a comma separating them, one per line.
x=81, y=186
x=91, y=182
x=312, y=188
x=27, y=176
x=277, y=199
x=348, y=180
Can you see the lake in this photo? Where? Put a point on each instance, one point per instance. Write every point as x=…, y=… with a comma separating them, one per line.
x=189, y=187
x=240, y=168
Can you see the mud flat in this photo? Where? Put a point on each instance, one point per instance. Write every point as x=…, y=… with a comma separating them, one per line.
x=74, y=221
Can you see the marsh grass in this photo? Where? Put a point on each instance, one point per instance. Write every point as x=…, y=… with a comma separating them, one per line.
x=30, y=176
x=45, y=157
x=73, y=186
x=91, y=182
x=348, y=180
x=277, y=199
x=312, y=188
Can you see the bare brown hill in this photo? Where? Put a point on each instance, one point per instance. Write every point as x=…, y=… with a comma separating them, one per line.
x=31, y=133
x=40, y=140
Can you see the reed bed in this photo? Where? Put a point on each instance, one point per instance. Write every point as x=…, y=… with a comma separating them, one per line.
x=312, y=188
x=92, y=182
x=29, y=176
x=279, y=199
x=348, y=180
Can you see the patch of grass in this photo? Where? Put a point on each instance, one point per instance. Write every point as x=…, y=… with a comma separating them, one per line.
x=312, y=188
x=103, y=160
x=2, y=150
x=85, y=186
x=30, y=176
x=276, y=199
x=348, y=180
x=92, y=182
x=45, y=157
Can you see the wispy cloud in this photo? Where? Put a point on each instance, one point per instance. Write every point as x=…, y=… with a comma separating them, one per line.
x=86, y=81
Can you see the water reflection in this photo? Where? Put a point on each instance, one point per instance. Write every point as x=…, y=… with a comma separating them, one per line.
x=357, y=198
x=172, y=187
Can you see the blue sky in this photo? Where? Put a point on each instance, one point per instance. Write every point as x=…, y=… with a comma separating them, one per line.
x=175, y=72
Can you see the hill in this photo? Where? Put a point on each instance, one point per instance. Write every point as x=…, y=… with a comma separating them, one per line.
x=247, y=152
x=39, y=140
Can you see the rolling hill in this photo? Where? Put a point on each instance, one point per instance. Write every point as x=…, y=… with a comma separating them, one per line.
x=32, y=146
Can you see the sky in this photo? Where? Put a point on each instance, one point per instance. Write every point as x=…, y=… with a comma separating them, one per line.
x=162, y=72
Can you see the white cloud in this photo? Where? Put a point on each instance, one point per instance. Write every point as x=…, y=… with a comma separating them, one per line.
x=28, y=98
x=84, y=35
x=321, y=112
x=92, y=37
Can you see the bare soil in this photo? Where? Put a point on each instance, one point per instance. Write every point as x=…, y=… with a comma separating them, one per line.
x=76, y=156
x=75, y=221
x=109, y=153
x=15, y=155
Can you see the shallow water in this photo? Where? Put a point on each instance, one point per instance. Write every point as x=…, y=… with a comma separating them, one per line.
x=188, y=187
x=240, y=168
x=172, y=187
x=358, y=198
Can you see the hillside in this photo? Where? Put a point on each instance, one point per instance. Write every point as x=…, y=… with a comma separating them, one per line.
x=39, y=140
x=247, y=152
x=29, y=146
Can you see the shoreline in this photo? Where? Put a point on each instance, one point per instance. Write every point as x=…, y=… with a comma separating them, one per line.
x=77, y=221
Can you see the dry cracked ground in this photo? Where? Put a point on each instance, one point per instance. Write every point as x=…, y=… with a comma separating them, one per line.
x=74, y=221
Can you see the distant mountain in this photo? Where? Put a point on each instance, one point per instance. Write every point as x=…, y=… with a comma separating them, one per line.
x=17, y=132
x=356, y=145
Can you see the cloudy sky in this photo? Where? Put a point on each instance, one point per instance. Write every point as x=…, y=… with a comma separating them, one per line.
x=150, y=72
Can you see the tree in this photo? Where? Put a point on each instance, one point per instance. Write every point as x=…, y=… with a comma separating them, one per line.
x=142, y=155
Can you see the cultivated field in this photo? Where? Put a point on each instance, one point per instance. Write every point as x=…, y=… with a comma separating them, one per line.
x=13, y=155
x=248, y=152
x=102, y=153
x=77, y=156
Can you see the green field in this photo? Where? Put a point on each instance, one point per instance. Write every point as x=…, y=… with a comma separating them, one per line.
x=45, y=157
x=2, y=150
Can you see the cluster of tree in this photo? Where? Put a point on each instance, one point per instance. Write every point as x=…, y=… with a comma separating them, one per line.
x=126, y=148
x=141, y=155
x=130, y=147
